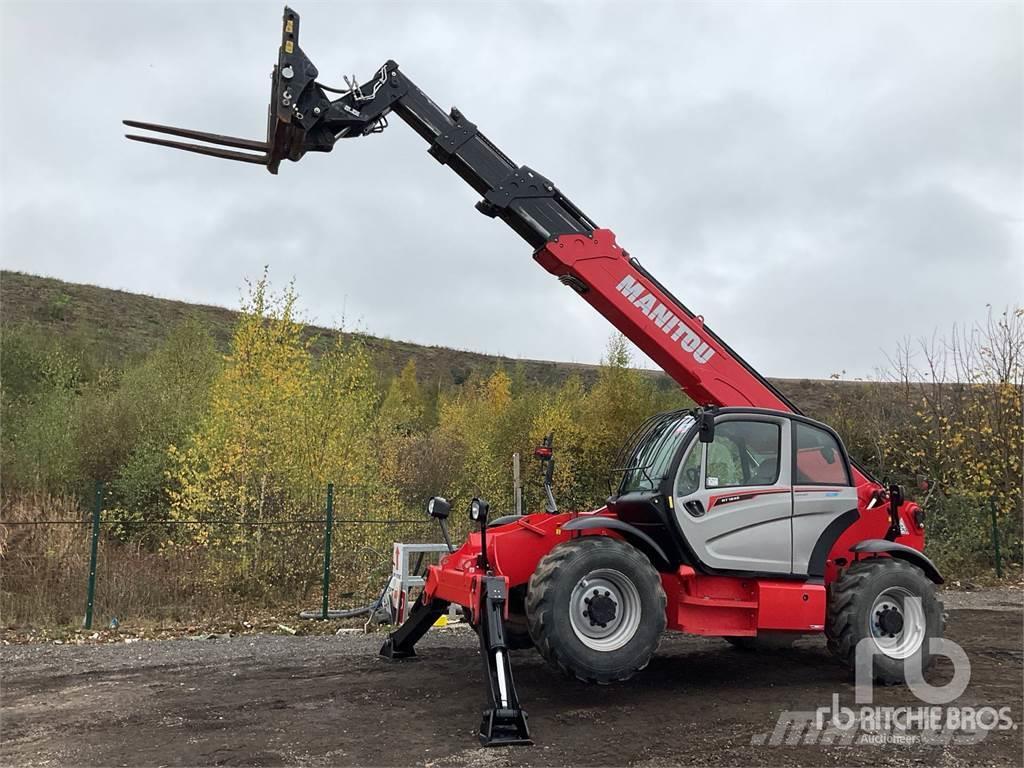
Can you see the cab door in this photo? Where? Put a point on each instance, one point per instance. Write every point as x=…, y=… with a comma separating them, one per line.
x=823, y=491
x=733, y=497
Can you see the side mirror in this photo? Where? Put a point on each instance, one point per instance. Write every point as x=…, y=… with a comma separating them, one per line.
x=896, y=497
x=829, y=454
x=706, y=426
x=439, y=507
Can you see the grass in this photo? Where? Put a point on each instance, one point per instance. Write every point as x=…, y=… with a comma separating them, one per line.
x=121, y=327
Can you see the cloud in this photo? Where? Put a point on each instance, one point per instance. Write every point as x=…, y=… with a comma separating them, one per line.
x=819, y=180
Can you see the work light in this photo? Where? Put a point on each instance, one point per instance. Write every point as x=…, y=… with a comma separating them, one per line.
x=478, y=510
x=438, y=507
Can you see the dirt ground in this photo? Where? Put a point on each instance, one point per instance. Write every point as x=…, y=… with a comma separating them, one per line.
x=278, y=700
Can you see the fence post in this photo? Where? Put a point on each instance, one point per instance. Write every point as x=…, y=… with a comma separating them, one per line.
x=995, y=537
x=91, y=594
x=328, y=527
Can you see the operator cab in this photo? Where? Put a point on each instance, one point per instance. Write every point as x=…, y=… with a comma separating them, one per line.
x=754, y=491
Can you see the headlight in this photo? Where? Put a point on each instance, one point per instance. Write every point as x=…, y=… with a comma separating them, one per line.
x=478, y=510
x=438, y=507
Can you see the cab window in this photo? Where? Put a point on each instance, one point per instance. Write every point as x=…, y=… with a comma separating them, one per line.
x=652, y=456
x=688, y=480
x=743, y=453
x=818, y=460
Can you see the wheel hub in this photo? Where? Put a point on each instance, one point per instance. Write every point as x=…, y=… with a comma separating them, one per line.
x=889, y=620
x=897, y=623
x=600, y=608
x=604, y=609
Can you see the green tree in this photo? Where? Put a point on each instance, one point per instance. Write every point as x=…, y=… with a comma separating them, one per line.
x=591, y=426
x=404, y=406
x=126, y=426
x=280, y=424
x=39, y=393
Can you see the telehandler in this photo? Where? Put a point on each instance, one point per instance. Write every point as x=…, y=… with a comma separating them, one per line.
x=741, y=519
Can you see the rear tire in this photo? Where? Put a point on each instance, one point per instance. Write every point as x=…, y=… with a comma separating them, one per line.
x=872, y=599
x=596, y=609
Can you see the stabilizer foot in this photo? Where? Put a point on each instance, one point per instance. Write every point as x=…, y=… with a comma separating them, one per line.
x=388, y=651
x=401, y=644
x=504, y=728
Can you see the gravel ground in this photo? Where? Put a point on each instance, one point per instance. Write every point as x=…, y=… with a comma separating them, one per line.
x=988, y=599
x=325, y=700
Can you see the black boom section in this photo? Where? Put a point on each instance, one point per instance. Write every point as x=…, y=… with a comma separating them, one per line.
x=524, y=199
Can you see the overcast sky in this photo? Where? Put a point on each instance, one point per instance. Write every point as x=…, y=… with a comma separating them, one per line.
x=818, y=180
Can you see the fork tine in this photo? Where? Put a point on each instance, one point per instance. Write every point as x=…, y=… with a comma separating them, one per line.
x=212, y=138
x=199, y=149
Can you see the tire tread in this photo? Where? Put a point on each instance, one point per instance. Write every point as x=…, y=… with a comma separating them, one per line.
x=538, y=601
x=840, y=625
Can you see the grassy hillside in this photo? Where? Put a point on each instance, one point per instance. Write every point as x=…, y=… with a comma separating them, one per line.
x=121, y=326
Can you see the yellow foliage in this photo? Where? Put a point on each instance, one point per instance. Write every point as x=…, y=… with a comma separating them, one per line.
x=280, y=426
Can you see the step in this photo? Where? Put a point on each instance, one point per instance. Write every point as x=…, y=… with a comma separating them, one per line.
x=716, y=602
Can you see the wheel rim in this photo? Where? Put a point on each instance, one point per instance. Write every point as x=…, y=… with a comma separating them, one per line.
x=897, y=622
x=604, y=609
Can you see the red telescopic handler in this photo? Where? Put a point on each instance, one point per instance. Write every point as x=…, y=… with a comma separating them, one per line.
x=742, y=519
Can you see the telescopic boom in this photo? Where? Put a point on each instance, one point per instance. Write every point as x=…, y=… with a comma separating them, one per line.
x=304, y=118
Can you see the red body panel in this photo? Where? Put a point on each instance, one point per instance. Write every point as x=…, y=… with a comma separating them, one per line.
x=706, y=370
x=697, y=604
x=513, y=551
x=738, y=607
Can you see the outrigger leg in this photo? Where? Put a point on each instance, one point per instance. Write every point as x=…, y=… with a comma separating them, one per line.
x=504, y=722
x=401, y=643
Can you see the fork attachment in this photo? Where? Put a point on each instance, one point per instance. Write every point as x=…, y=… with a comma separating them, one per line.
x=294, y=102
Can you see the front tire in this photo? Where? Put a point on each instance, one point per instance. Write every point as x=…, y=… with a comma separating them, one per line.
x=596, y=609
x=890, y=603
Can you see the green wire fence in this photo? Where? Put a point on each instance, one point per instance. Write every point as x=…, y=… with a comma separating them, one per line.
x=347, y=533
x=405, y=528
